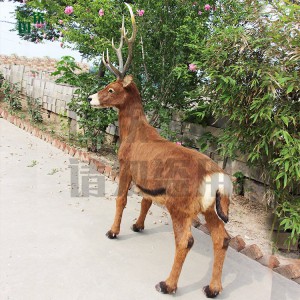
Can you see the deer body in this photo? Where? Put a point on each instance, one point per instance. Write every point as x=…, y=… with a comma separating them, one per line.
x=184, y=181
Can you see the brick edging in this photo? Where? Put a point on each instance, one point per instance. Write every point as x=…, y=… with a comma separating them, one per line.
x=290, y=271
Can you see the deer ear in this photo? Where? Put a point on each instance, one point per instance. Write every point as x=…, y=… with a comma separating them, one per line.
x=127, y=80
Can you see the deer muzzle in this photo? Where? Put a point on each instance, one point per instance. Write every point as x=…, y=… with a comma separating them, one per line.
x=94, y=100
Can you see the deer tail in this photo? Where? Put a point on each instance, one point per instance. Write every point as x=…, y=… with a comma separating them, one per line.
x=222, y=206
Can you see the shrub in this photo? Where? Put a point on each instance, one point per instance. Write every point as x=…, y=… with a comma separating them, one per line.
x=12, y=96
x=34, y=109
x=93, y=122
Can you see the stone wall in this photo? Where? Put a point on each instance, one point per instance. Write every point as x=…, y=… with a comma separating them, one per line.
x=40, y=84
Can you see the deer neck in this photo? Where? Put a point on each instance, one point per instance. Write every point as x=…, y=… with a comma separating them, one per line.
x=129, y=117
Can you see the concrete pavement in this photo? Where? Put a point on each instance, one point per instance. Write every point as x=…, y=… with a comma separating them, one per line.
x=53, y=244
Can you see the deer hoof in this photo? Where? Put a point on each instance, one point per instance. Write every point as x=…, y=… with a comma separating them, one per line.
x=163, y=288
x=209, y=293
x=136, y=228
x=111, y=235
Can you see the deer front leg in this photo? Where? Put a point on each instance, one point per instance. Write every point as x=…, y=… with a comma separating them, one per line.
x=140, y=223
x=220, y=240
x=184, y=242
x=125, y=180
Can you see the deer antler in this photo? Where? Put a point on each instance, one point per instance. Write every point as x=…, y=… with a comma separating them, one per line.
x=120, y=73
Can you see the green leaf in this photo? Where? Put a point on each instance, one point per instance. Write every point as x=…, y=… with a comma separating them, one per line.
x=286, y=166
x=285, y=120
x=290, y=88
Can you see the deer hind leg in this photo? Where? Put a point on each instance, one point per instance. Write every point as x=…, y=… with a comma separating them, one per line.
x=125, y=180
x=220, y=239
x=140, y=223
x=184, y=242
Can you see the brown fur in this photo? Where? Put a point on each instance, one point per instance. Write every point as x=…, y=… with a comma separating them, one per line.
x=170, y=173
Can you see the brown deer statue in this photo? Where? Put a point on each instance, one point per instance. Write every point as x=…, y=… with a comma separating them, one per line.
x=185, y=181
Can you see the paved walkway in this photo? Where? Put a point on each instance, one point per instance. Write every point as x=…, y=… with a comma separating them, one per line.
x=53, y=244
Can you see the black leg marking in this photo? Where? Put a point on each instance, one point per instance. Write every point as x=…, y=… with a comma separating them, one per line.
x=209, y=293
x=111, y=235
x=135, y=228
x=164, y=289
x=190, y=242
x=226, y=243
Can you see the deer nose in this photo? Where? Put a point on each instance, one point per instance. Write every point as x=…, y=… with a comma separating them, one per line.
x=89, y=99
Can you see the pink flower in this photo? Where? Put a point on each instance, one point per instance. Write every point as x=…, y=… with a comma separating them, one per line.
x=61, y=44
x=178, y=143
x=24, y=1
x=53, y=39
x=69, y=10
x=199, y=12
x=101, y=12
x=60, y=22
x=140, y=12
x=207, y=7
x=193, y=67
x=39, y=25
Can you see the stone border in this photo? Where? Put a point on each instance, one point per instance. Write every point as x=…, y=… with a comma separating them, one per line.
x=290, y=271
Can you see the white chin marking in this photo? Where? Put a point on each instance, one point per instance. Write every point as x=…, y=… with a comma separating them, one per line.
x=210, y=185
x=95, y=100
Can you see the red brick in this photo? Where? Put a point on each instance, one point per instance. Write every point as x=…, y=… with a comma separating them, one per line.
x=100, y=167
x=77, y=154
x=46, y=137
x=72, y=151
x=16, y=121
x=203, y=228
x=30, y=129
x=196, y=222
x=107, y=170
x=291, y=271
x=62, y=146
x=84, y=156
x=269, y=261
x=252, y=251
x=89, y=157
x=5, y=115
x=67, y=149
x=237, y=243
x=97, y=165
x=34, y=131
x=11, y=119
x=113, y=174
x=19, y=123
x=55, y=143
x=93, y=163
x=297, y=280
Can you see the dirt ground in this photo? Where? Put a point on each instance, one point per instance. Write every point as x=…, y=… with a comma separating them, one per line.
x=249, y=220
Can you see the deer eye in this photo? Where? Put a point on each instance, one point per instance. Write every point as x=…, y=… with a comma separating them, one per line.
x=111, y=90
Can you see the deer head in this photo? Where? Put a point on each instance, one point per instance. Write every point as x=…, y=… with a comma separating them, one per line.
x=115, y=94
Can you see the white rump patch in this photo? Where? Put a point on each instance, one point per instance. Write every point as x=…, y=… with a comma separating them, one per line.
x=95, y=100
x=210, y=185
